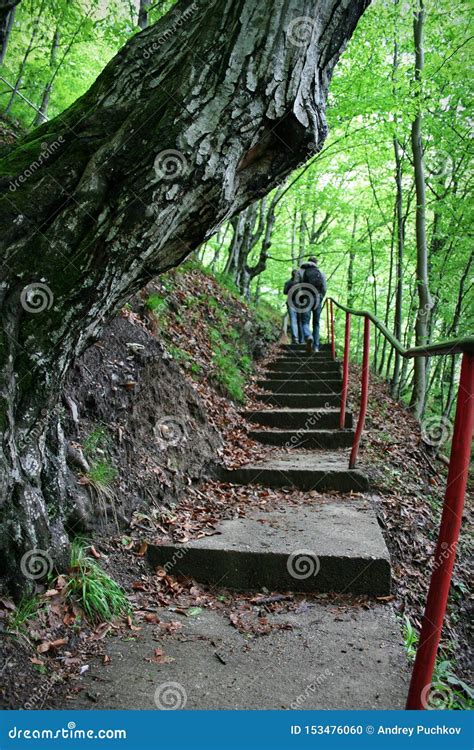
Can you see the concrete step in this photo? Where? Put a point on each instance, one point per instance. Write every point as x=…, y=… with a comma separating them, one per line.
x=316, y=656
x=304, y=357
x=309, y=439
x=295, y=364
x=288, y=385
x=320, y=471
x=304, y=418
x=298, y=374
x=302, y=347
x=300, y=400
x=331, y=546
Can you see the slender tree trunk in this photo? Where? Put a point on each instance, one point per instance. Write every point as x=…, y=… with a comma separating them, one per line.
x=266, y=221
x=41, y=115
x=143, y=11
x=197, y=117
x=424, y=299
x=374, y=295
x=7, y=16
x=24, y=61
x=302, y=236
x=350, y=268
x=400, y=234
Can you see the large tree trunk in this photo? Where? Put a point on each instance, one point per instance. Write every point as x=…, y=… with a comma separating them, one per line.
x=195, y=118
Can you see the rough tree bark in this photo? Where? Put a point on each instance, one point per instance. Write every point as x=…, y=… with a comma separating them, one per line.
x=195, y=118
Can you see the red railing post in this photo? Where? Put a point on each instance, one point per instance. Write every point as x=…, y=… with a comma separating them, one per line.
x=364, y=396
x=327, y=322
x=445, y=553
x=345, y=372
x=333, y=342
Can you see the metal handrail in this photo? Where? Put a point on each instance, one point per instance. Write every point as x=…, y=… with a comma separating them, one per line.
x=453, y=346
x=450, y=526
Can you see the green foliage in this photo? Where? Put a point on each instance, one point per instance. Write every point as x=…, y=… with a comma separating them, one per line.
x=90, y=34
x=157, y=304
x=102, y=473
x=27, y=608
x=182, y=356
x=101, y=598
x=227, y=282
x=451, y=688
x=342, y=203
x=98, y=439
x=230, y=364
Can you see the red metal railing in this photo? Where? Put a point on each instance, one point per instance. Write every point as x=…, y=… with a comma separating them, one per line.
x=445, y=553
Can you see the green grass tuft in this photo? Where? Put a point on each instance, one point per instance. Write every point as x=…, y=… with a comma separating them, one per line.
x=156, y=303
x=100, y=597
x=102, y=473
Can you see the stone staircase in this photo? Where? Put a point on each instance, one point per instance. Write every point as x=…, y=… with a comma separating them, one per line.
x=324, y=652
x=340, y=534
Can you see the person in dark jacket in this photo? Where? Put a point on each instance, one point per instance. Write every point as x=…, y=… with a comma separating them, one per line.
x=313, y=277
x=295, y=318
